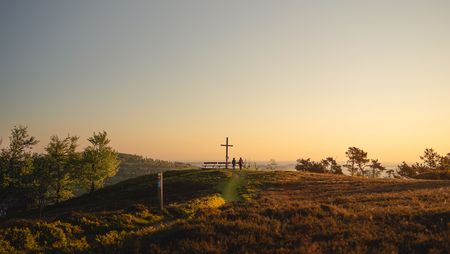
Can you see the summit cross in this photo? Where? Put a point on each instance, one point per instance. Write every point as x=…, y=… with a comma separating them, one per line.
x=226, y=152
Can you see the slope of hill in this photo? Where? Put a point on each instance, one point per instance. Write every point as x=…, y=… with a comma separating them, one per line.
x=269, y=212
x=132, y=166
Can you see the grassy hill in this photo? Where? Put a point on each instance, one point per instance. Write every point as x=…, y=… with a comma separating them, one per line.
x=132, y=166
x=215, y=211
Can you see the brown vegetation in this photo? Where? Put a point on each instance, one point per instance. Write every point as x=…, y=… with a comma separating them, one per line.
x=282, y=212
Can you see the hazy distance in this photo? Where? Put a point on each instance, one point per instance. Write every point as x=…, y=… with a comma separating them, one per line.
x=283, y=80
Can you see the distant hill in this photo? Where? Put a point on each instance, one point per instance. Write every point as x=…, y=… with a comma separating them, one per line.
x=132, y=166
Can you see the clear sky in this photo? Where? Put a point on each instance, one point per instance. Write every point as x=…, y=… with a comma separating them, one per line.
x=282, y=79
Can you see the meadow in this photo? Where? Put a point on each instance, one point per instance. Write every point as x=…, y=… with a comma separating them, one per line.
x=217, y=211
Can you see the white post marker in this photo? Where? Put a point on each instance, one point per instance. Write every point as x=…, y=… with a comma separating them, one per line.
x=160, y=189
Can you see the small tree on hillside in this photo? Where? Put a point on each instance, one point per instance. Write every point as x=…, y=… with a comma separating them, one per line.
x=308, y=165
x=431, y=162
x=357, y=160
x=100, y=161
x=376, y=168
x=390, y=173
x=431, y=159
x=331, y=165
x=405, y=170
x=445, y=162
x=43, y=180
x=272, y=165
x=63, y=161
x=16, y=166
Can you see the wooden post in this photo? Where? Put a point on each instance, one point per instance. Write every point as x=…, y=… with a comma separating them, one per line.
x=226, y=153
x=161, y=189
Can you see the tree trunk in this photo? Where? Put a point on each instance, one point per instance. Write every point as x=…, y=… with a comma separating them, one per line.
x=92, y=182
x=58, y=192
x=41, y=207
x=92, y=187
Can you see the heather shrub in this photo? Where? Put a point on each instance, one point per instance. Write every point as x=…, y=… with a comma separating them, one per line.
x=60, y=236
x=20, y=238
x=5, y=247
x=109, y=241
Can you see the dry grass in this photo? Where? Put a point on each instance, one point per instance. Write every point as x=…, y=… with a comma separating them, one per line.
x=283, y=212
x=312, y=213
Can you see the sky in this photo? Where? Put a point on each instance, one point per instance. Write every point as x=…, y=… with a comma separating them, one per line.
x=281, y=79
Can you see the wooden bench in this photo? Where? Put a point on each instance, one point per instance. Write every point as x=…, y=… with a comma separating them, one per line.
x=214, y=164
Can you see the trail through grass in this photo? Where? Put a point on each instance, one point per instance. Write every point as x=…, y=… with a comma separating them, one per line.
x=229, y=188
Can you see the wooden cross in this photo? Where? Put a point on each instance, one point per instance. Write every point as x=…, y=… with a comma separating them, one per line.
x=226, y=152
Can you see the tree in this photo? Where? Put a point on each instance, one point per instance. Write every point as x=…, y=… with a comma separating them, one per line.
x=43, y=180
x=405, y=170
x=331, y=165
x=310, y=166
x=376, y=168
x=390, y=173
x=16, y=168
x=445, y=162
x=272, y=165
x=429, y=168
x=63, y=161
x=357, y=160
x=100, y=161
x=431, y=159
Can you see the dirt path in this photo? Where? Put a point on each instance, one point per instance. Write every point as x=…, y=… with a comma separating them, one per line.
x=229, y=188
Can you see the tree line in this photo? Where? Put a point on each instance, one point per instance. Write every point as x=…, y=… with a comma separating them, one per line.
x=432, y=165
x=357, y=164
x=33, y=180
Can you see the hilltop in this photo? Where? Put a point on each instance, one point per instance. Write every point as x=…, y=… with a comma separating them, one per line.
x=217, y=211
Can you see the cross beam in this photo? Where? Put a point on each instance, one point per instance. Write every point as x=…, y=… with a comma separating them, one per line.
x=226, y=152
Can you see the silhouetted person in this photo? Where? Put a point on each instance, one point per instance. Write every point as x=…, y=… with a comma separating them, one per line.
x=241, y=163
x=233, y=163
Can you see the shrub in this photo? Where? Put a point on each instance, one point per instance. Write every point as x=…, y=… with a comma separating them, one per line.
x=310, y=166
x=5, y=247
x=59, y=235
x=20, y=238
x=111, y=239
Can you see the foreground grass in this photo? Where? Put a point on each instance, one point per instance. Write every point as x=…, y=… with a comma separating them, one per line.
x=230, y=187
x=279, y=212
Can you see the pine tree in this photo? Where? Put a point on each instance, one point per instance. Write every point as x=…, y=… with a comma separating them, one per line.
x=63, y=161
x=100, y=161
x=357, y=160
x=331, y=165
x=431, y=159
x=42, y=180
x=16, y=169
x=376, y=168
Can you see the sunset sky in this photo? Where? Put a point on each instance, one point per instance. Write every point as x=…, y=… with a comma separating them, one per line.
x=282, y=79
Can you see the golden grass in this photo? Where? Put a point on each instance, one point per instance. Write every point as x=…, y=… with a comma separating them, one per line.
x=282, y=212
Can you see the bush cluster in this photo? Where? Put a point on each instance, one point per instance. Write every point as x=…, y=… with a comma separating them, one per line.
x=103, y=232
x=432, y=166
